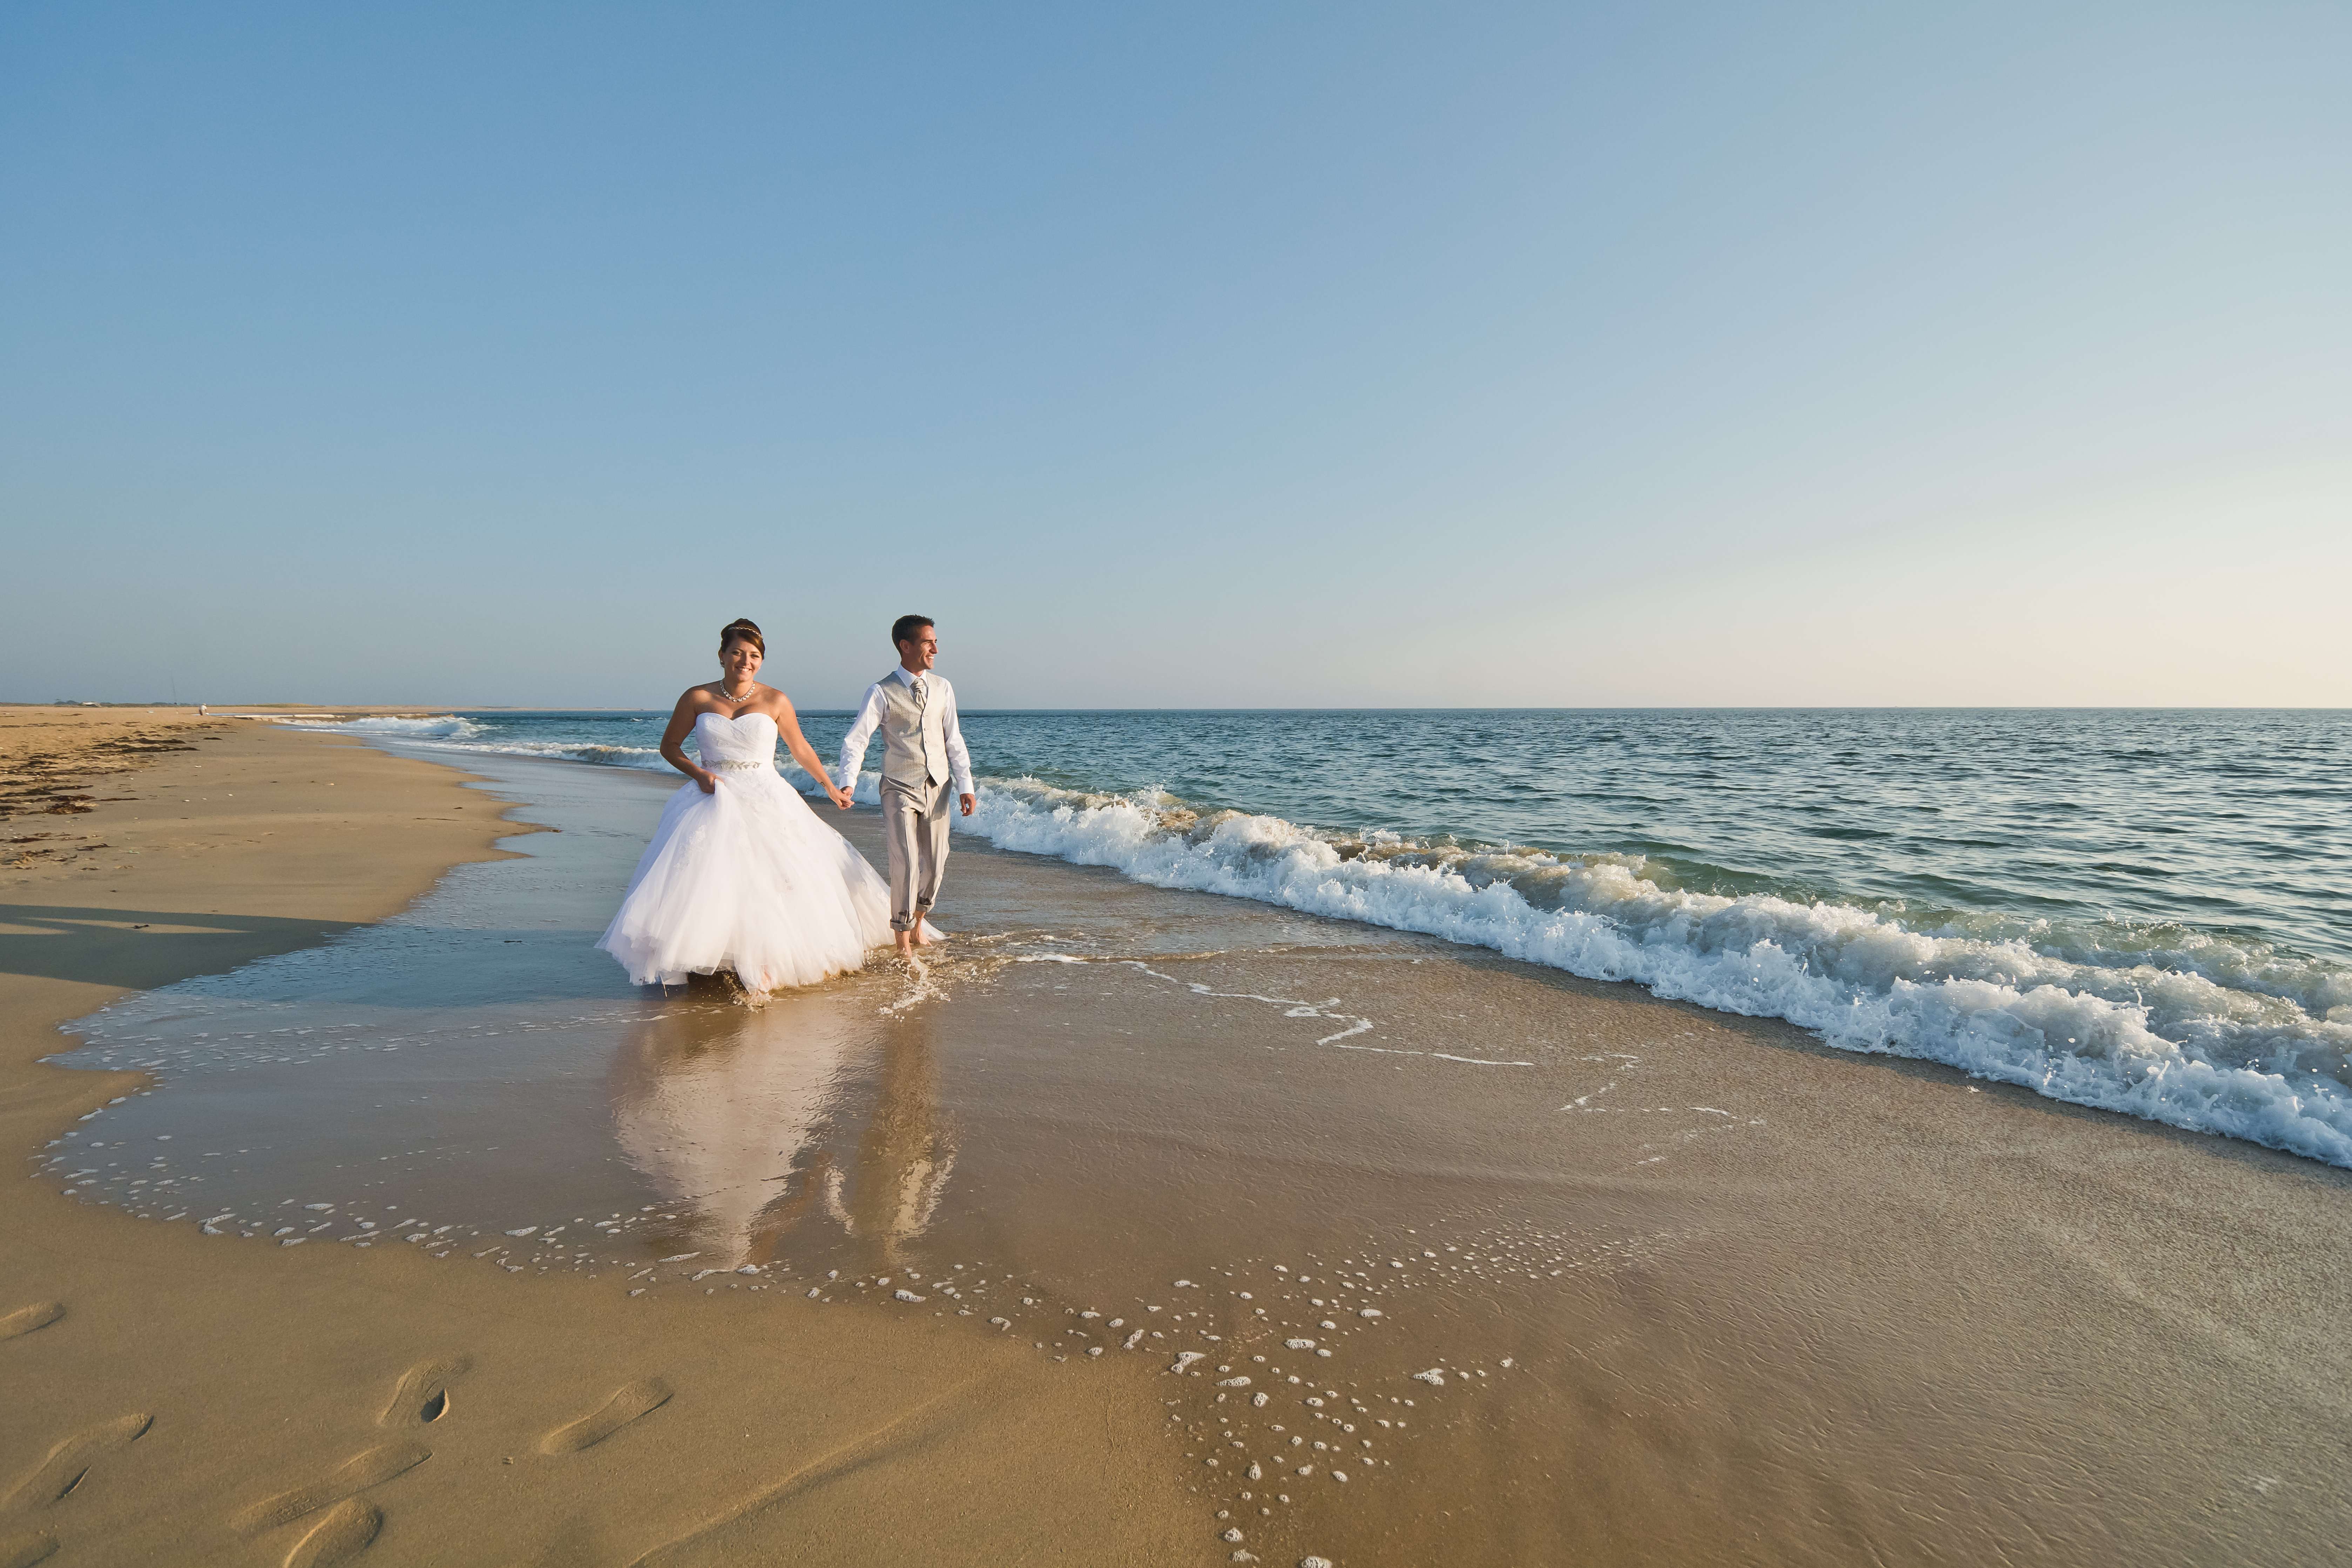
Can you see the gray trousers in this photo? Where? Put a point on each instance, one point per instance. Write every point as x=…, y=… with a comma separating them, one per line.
x=915, y=824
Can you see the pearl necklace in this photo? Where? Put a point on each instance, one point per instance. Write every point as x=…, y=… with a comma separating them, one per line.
x=729, y=696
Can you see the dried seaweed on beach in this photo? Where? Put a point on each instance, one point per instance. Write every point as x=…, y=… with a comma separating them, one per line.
x=54, y=780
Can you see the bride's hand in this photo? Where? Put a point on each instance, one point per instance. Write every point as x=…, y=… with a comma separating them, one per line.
x=840, y=797
x=709, y=783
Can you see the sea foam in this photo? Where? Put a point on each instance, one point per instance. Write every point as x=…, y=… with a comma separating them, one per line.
x=2202, y=1032
x=445, y=727
x=450, y=733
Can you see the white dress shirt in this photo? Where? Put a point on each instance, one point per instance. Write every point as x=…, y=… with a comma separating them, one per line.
x=870, y=719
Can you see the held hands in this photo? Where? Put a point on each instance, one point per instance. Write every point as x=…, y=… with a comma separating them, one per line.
x=839, y=796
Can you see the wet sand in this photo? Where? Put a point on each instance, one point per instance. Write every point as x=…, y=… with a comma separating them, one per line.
x=1549, y=1270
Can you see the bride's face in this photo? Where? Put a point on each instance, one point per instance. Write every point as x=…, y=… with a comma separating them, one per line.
x=739, y=661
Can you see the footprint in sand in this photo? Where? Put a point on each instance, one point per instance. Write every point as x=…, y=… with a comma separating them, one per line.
x=23, y=1321
x=422, y=1396
x=349, y=1479
x=23, y=1551
x=625, y=1406
x=70, y=1461
x=349, y=1526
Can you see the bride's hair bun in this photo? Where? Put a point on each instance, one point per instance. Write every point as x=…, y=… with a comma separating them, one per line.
x=748, y=630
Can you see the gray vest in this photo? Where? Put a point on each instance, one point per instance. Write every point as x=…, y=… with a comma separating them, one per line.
x=914, y=735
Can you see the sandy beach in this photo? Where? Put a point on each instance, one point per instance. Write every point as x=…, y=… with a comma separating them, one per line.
x=1143, y=1226
x=177, y=1397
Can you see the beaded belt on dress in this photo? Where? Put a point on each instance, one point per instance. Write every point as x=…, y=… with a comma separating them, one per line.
x=740, y=764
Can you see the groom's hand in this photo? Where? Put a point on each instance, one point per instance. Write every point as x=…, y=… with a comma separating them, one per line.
x=971, y=803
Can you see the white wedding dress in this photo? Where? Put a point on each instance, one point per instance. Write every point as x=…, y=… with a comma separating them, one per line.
x=746, y=877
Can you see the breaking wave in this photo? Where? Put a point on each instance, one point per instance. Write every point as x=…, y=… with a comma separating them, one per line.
x=2159, y=1021
x=448, y=727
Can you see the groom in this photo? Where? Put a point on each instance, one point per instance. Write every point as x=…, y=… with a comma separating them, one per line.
x=922, y=752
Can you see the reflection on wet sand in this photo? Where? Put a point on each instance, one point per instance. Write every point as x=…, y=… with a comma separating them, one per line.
x=743, y=1118
x=904, y=1160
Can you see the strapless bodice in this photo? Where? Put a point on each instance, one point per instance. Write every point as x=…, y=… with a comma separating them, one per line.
x=747, y=740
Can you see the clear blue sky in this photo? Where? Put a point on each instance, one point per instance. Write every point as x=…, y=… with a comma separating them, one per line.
x=1217, y=355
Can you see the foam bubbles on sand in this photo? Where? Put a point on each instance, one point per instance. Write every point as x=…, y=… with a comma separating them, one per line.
x=1290, y=1415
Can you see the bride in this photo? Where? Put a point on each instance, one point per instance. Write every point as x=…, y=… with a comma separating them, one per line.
x=741, y=874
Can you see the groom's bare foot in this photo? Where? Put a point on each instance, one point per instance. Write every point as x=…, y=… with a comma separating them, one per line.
x=906, y=944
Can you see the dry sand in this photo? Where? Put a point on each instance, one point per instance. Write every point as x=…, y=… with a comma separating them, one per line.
x=1680, y=1288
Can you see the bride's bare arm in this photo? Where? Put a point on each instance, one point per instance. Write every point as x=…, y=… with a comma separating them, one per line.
x=788, y=724
x=673, y=748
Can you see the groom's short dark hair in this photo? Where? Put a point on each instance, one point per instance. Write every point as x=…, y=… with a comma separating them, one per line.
x=904, y=628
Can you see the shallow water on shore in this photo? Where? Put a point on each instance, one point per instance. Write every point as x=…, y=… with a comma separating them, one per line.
x=2142, y=912
x=472, y=1071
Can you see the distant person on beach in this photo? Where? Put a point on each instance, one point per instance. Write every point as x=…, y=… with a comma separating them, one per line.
x=922, y=754
x=741, y=875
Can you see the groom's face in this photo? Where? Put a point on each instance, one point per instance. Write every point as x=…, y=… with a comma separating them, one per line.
x=917, y=651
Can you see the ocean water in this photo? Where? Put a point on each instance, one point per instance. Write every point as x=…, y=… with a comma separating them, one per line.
x=2144, y=912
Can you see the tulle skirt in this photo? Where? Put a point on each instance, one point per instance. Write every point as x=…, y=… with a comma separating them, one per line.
x=748, y=877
